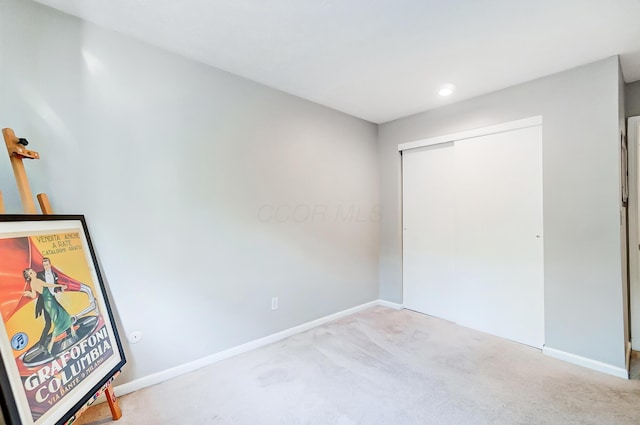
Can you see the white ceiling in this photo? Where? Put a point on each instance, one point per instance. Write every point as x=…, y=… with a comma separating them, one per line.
x=381, y=59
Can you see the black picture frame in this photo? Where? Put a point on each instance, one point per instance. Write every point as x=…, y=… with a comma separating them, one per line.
x=59, y=342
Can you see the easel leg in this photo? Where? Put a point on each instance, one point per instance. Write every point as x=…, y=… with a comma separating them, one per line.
x=116, y=413
x=1, y=204
x=23, y=186
x=45, y=206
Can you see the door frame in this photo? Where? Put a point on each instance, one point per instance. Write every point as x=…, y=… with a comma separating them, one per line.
x=483, y=131
x=633, y=142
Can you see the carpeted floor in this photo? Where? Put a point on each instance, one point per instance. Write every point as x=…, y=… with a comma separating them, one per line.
x=383, y=366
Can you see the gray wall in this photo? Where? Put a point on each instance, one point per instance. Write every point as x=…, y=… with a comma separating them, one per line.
x=632, y=99
x=206, y=194
x=583, y=282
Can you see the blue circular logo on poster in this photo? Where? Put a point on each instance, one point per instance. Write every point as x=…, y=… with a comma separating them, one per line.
x=19, y=341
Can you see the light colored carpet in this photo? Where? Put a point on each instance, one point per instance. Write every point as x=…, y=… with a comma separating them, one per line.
x=383, y=366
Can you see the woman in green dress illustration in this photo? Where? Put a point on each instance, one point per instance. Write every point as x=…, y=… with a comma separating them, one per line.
x=60, y=319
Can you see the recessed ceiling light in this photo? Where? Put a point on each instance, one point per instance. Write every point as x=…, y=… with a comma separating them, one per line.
x=447, y=90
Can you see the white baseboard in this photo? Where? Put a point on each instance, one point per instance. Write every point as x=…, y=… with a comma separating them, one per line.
x=585, y=362
x=173, y=372
x=389, y=304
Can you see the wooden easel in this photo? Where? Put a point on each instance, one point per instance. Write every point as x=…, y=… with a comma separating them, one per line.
x=16, y=147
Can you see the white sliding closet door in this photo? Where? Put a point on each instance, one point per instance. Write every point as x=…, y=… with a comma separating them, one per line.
x=429, y=213
x=499, y=234
x=489, y=243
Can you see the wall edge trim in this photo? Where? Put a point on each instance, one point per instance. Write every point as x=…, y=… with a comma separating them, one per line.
x=628, y=357
x=164, y=375
x=389, y=304
x=586, y=362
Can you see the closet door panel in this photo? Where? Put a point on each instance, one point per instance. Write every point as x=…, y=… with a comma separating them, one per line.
x=498, y=238
x=428, y=230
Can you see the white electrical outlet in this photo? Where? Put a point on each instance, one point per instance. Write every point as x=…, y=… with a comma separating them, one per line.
x=135, y=337
x=274, y=303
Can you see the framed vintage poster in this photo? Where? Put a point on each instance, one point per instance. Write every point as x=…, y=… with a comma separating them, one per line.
x=58, y=339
